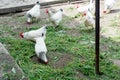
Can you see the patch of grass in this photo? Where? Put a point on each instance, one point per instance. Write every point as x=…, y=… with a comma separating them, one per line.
x=80, y=47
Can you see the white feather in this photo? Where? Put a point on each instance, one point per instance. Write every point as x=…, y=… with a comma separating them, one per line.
x=83, y=9
x=35, y=33
x=89, y=20
x=108, y=4
x=34, y=12
x=55, y=18
x=40, y=47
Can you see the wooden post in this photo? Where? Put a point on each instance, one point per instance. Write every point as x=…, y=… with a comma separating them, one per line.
x=97, y=35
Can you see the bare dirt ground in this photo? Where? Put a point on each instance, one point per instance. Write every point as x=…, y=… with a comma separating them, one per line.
x=57, y=60
x=110, y=23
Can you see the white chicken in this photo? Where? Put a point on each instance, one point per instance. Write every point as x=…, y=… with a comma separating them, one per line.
x=30, y=35
x=41, y=49
x=108, y=4
x=89, y=21
x=33, y=13
x=55, y=18
x=83, y=9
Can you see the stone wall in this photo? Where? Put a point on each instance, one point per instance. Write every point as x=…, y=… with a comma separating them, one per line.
x=9, y=69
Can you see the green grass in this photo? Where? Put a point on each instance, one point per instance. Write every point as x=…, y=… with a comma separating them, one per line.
x=80, y=47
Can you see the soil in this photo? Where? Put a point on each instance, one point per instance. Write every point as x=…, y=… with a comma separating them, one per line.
x=55, y=60
x=106, y=20
x=63, y=61
x=73, y=32
x=116, y=62
x=79, y=75
x=36, y=60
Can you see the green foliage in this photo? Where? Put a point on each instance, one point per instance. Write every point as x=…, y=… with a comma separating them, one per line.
x=80, y=47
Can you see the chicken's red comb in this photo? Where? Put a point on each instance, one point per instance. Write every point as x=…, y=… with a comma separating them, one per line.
x=46, y=10
x=104, y=11
x=21, y=34
x=84, y=14
x=29, y=23
x=46, y=62
x=77, y=5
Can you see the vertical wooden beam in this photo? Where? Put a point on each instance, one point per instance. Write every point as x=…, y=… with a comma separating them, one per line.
x=97, y=35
